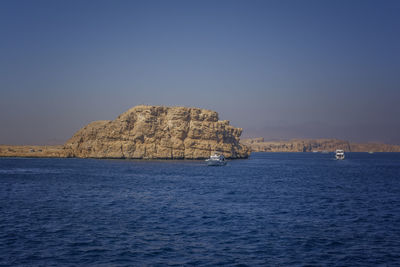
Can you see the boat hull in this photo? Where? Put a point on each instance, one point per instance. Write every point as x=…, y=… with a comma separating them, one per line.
x=215, y=163
x=339, y=154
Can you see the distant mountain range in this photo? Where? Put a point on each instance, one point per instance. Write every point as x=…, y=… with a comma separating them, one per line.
x=315, y=145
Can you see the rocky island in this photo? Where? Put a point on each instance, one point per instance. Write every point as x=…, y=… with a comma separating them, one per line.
x=147, y=132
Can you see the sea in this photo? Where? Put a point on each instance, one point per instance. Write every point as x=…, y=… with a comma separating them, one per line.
x=273, y=209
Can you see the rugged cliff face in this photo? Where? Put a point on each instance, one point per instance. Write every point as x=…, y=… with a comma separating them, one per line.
x=156, y=132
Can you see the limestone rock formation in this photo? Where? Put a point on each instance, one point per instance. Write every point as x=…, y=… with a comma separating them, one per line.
x=157, y=132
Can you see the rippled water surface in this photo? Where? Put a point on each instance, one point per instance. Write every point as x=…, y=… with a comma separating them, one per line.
x=272, y=209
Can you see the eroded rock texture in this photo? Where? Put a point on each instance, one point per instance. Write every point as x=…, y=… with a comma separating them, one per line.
x=157, y=132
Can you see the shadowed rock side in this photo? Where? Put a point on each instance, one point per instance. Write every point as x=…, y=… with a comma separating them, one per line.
x=309, y=145
x=156, y=132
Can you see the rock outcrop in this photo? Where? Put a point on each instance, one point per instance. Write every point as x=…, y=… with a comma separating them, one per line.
x=319, y=145
x=157, y=132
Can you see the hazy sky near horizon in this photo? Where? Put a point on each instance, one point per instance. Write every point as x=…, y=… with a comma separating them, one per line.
x=278, y=69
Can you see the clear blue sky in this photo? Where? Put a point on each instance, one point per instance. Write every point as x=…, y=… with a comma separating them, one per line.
x=278, y=69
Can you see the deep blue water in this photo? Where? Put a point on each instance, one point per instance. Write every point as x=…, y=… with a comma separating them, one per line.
x=272, y=209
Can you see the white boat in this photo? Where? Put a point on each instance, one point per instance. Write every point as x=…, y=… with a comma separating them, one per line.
x=339, y=154
x=216, y=160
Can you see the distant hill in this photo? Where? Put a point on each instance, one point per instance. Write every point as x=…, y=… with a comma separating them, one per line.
x=318, y=145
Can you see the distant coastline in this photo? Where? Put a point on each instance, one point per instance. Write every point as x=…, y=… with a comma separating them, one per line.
x=254, y=144
x=34, y=151
x=315, y=145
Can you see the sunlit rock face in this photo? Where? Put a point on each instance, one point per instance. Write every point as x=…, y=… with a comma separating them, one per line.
x=158, y=132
